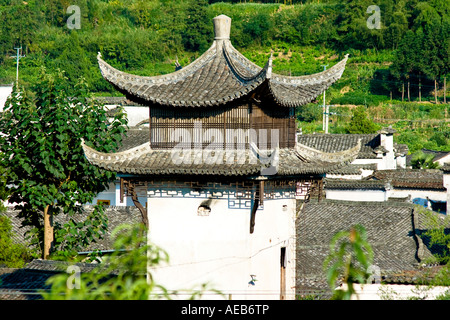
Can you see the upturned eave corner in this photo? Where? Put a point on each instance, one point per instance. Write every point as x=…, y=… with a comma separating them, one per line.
x=221, y=63
x=339, y=157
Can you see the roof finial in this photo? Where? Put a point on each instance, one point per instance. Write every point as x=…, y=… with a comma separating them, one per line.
x=222, y=26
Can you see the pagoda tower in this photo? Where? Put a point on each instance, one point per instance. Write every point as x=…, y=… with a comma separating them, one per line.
x=221, y=168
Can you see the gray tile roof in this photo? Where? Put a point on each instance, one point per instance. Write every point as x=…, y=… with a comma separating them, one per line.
x=135, y=136
x=390, y=232
x=220, y=75
x=143, y=160
x=354, y=184
x=339, y=142
x=370, y=143
x=116, y=216
x=423, y=179
x=411, y=178
x=26, y=283
x=354, y=169
x=29, y=282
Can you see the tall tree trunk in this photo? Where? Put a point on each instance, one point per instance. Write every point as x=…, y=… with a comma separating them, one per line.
x=420, y=88
x=445, y=91
x=435, y=91
x=403, y=91
x=48, y=232
x=409, y=97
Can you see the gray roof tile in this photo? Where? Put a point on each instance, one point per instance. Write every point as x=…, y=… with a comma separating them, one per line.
x=389, y=229
x=144, y=160
x=220, y=75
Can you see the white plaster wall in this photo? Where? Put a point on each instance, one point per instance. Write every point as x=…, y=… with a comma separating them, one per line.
x=109, y=194
x=344, y=176
x=432, y=195
x=443, y=160
x=446, y=182
x=401, y=162
x=136, y=115
x=113, y=195
x=5, y=91
x=219, y=250
x=356, y=195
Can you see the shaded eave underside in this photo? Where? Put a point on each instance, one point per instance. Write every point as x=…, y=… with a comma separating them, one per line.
x=221, y=75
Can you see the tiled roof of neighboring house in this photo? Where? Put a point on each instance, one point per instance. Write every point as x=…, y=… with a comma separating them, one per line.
x=249, y=162
x=370, y=143
x=437, y=154
x=391, y=231
x=401, y=149
x=338, y=142
x=411, y=178
x=29, y=282
x=116, y=216
x=134, y=137
x=220, y=75
x=354, y=169
x=425, y=179
x=354, y=184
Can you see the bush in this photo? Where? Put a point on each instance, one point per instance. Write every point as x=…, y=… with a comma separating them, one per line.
x=360, y=99
x=12, y=255
x=360, y=123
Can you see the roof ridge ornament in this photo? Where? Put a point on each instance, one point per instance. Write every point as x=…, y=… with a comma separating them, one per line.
x=222, y=27
x=220, y=75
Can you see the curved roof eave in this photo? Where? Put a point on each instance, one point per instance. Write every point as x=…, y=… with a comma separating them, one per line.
x=225, y=71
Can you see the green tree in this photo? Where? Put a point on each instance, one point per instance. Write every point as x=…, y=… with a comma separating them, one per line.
x=420, y=160
x=47, y=172
x=360, y=122
x=349, y=260
x=197, y=34
x=123, y=275
x=437, y=237
x=12, y=255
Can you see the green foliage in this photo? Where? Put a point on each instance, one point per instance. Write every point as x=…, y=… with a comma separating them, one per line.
x=437, y=238
x=12, y=255
x=197, y=36
x=309, y=113
x=436, y=234
x=43, y=127
x=360, y=123
x=348, y=261
x=145, y=38
x=123, y=275
x=359, y=99
x=420, y=160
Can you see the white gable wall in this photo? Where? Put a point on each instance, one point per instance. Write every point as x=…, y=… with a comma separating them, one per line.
x=219, y=250
x=356, y=195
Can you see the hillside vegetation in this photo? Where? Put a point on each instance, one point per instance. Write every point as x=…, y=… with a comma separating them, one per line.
x=397, y=71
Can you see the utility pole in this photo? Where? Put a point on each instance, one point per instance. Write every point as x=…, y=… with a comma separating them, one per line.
x=325, y=109
x=18, y=56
